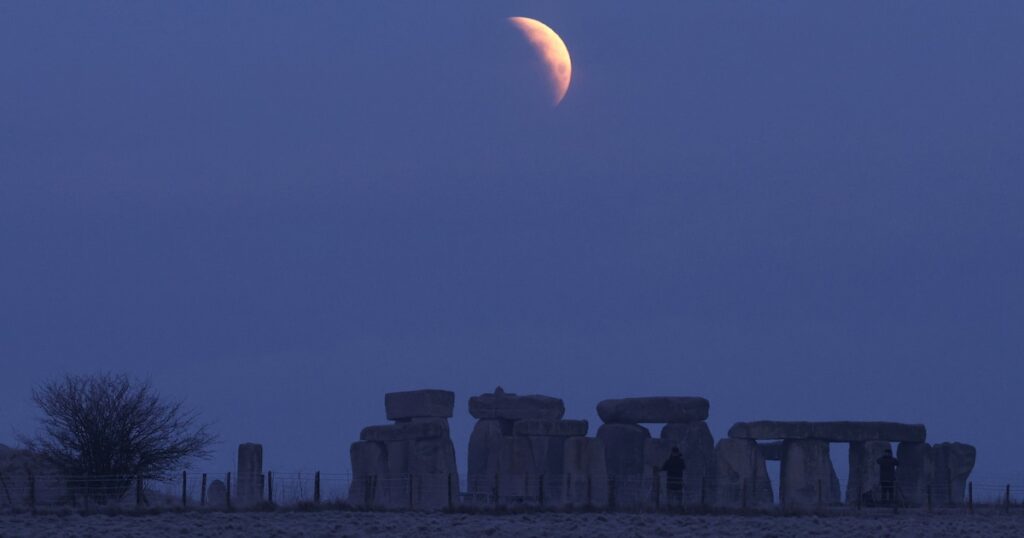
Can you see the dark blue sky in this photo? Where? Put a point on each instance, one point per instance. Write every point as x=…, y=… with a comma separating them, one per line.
x=279, y=211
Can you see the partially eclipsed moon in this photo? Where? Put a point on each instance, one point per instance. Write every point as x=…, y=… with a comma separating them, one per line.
x=552, y=51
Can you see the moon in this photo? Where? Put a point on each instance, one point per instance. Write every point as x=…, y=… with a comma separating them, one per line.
x=552, y=52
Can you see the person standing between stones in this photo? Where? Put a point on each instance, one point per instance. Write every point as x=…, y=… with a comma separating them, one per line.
x=673, y=468
x=887, y=476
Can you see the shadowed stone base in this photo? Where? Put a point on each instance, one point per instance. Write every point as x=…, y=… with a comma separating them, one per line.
x=864, y=470
x=808, y=479
x=741, y=476
x=585, y=472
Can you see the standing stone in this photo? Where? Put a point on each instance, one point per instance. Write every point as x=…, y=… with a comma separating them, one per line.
x=402, y=406
x=431, y=464
x=369, y=470
x=250, y=473
x=864, y=477
x=549, y=466
x=217, y=494
x=697, y=446
x=915, y=473
x=516, y=466
x=952, y=464
x=585, y=473
x=741, y=472
x=808, y=479
x=484, y=453
x=624, y=446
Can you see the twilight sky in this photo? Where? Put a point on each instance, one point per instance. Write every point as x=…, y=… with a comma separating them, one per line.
x=280, y=211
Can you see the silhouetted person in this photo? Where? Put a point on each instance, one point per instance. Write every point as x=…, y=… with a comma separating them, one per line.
x=673, y=468
x=887, y=476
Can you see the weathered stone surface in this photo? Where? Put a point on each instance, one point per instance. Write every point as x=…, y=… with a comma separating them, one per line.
x=369, y=473
x=555, y=428
x=864, y=477
x=549, y=466
x=697, y=446
x=516, y=466
x=431, y=465
x=382, y=473
x=624, y=446
x=836, y=432
x=585, y=472
x=915, y=472
x=741, y=476
x=419, y=403
x=657, y=409
x=405, y=431
x=952, y=464
x=484, y=452
x=514, y=407
x=216, y=494
x=808, y=479
x=771, y=451
x=250, y=474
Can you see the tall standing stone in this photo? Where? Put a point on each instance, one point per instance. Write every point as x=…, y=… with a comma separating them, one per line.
x=585, y=472
x=952, y=464
x=697, y=446
x=484, y=453
x=250, y=473
x=624, y=447
x=864, y=477
x=808, y=479
x=741, y=475
x=915, y=472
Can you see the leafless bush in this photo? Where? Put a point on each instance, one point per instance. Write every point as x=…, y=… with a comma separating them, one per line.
x=112, y=427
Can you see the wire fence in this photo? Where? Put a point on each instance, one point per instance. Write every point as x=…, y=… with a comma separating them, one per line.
x=503, y=491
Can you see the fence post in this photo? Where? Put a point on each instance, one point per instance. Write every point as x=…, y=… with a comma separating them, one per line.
x=31, y=490
x=540, y=490
x=743, y=494
x=655, y=482
x=7, y=492
x=970, y=497
x=202, y=493
x=270, y=486
x=567, y=493
x=819, y=493
x=138, y=491
x=227, y=491
x=703, y=492
x=1007, y=498
x=526, y=487
x=949, y=489
x=590, y=489
x=611, y=492
x=450, y=501
x=410, y=491
x=497, y=488
x=316, y=488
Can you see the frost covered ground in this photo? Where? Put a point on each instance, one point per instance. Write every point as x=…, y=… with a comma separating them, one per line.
x=343, y=523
